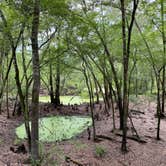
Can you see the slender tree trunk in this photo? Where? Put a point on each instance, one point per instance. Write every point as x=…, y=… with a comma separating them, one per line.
x=57, y=89
x=26, y=109
x=119, y=94
x=36, y=83
x=107, y=104
x=164, y=56
x=7, y=94
x=92, y=106
x=13, y=58
x=125, y=78
x=126, y=55
x=152, y=83
x=17, y=78
x=1, y=63
x=96, y=81
x=51, y=89
x=158, y=108
x=97, y=92
x=4, y=83
x=115, y=77
x=21, y=96
x=136, y=82
x=89, y=86
x=112, y=106
x=163, y=90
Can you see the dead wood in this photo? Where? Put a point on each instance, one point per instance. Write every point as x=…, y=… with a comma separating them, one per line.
x=104, y=137
x=137, y=111
x=20, y=149
x=133, y=138
x=68, y=160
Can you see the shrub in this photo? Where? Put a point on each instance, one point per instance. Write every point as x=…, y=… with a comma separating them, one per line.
x=100, y=151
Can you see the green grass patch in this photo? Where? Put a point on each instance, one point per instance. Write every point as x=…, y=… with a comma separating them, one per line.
x=58, y=128
x=66, y=99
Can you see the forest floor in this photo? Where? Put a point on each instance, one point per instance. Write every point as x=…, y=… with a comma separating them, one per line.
x=80, y=150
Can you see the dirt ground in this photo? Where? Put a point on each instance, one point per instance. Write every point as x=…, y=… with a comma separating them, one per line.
x=80, y=150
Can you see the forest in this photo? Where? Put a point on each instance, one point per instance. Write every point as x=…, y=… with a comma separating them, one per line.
x=82, y=82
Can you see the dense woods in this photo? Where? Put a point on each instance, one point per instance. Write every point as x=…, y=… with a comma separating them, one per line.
x=109, y=52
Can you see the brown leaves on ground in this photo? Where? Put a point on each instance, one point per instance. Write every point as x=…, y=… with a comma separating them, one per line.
x=81, y=150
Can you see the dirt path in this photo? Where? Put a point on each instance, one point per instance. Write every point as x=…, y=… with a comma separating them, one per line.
x=86, y=152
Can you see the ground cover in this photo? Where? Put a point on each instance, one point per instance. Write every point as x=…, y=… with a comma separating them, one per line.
x=58, y=128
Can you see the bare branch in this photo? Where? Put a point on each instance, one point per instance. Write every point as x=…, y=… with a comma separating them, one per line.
x=51, y=37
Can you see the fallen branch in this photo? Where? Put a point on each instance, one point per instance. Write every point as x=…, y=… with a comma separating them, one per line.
x=148, y=136
x=68, y=160
x=137, y=111
x=104, y=137
x=133, y=128
x=133, y=138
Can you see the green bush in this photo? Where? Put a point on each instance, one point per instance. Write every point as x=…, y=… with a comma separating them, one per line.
x=100, y=151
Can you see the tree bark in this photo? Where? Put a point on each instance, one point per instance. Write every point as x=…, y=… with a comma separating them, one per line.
x=36, y=83
x=158, y=108
x=51, y=89
x=125, y=78
x=26, y=104
x=91, y=99
x=7, y=93
x=164, y=56
x=57, y=89
x=126, y=55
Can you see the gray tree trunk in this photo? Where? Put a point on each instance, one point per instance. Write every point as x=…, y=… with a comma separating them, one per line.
x=36, y=83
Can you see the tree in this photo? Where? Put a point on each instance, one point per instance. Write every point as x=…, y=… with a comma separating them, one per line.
x=36, y=82
x=156, y=55
x=126, y=39
x=14, y=44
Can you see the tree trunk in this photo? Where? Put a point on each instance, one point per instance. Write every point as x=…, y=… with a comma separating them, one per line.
x=4, y=83
x=26, y=109
x=158, y=108
x=125, y=78
x=13, y=58
x=51, y=89
x=164, y=56
x=152, y=83
x=126, y=56
x=163, y=90
x=97, y=92
x=107, y=103
x=36, y=83
x=7, y=94
x=115, y=77
x=112, y=105
x=57, y=90
x=89, y=86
